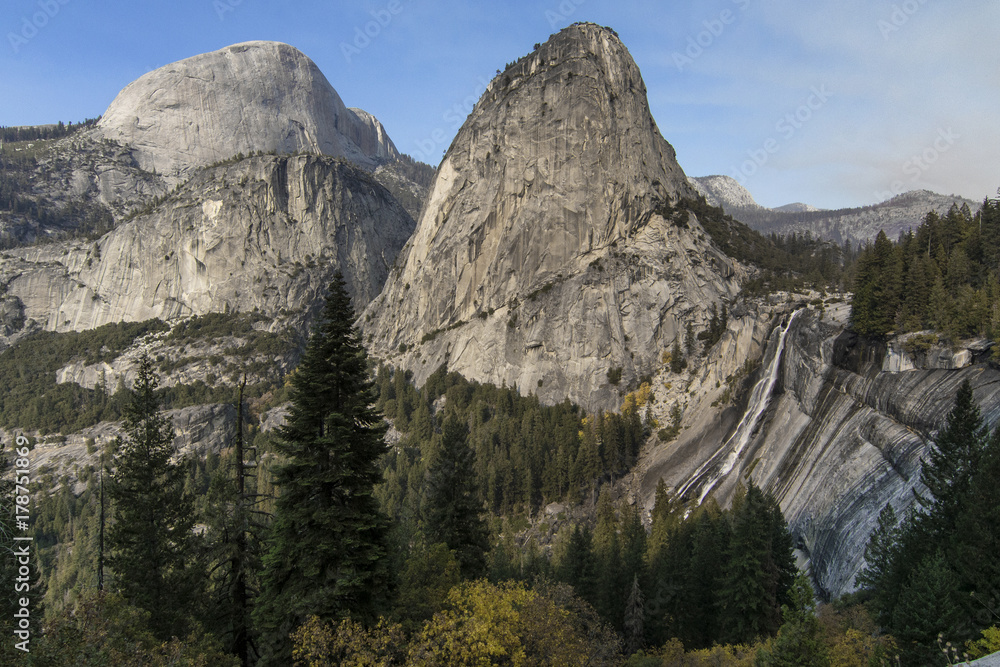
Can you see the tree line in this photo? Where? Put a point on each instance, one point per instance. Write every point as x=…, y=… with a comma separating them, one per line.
x=43, y=132
x=945, y=276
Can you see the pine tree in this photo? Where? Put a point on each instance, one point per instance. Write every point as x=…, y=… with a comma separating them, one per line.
x=634, y=618
x=607, y=554
x=235, y=531
x=928, y=606
x=950, y=465
x=759, y=569
x=876, y=288
x=798, y=641
x=699, y=627
x=633, y=543
x=327, y=545
x=977, y=536
x=677, y=361
x=453, y=509
x=881, y=553
x=152, y=543
x=579, y=567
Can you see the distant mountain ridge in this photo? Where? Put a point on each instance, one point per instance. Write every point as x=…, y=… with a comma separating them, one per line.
x=854, y=225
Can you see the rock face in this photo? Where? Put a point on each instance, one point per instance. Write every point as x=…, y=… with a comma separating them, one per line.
x=548, y=252
x=263, y=233
x=249, y=97
x=198, y=430
x=838, y=438
x=724, y=191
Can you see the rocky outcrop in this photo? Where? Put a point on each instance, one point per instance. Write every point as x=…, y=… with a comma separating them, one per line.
x=725, y=192
x=198, y=430
x=264, y=233
x=249, y=97
x=549, y=251
x=839, y=436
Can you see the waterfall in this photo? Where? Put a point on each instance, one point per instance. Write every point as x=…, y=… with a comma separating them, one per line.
x=711, y=471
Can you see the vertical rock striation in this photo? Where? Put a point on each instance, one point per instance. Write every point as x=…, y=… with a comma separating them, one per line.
x=264, y=233
x=549, y=250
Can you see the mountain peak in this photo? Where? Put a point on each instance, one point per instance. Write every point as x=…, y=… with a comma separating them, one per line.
x=544, y=257
x=247, y=97
x=724, y=191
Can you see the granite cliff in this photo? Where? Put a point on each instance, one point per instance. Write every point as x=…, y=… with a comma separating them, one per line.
x=840, y=426
x=555, y=245
x=248, y=97
x=263, y=233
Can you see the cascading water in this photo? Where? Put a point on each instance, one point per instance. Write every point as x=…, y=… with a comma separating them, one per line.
x=711, y=471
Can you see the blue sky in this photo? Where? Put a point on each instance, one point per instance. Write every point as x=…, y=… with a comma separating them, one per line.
x=833, y=103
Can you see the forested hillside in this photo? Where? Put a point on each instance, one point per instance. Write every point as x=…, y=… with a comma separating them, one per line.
x=447, y=556
x=944, y=276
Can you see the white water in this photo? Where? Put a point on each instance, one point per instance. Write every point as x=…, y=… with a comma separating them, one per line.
x=759, y=400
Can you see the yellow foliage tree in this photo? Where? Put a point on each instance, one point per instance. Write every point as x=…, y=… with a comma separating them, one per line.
x=319, y=644
x=672, y=654
x=635, y=400
x=987, y=644
x=510, y=624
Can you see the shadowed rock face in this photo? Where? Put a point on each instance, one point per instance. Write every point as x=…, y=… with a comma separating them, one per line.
x=264, y=233
x=839, y=439
x=540, y=260
x=254, y=96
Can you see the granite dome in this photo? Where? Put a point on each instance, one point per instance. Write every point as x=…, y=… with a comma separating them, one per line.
x=248, y=97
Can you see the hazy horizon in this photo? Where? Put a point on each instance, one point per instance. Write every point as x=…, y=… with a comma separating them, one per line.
x=831, y=104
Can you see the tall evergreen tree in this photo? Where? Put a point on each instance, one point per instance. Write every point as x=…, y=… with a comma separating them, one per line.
x=327, y=545
x=453, y=509
x=235, y=531
x=699, y=626
x=876, y=288
x=152, y=541
x=607, y=554
x=950, y=465
x=880, y=554
x=634, y=618
x=798, y=641
x=759, y=569
x=928, y=606
x=977, y=540
x=579, y=567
